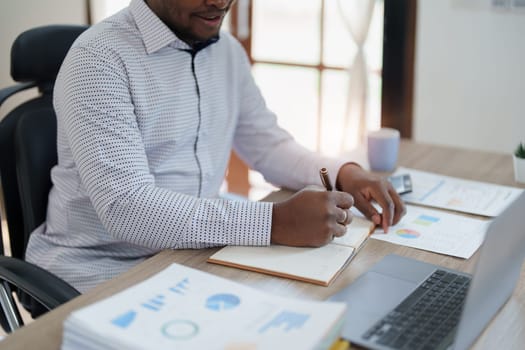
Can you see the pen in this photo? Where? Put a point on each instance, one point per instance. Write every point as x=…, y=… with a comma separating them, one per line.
x=325, y=179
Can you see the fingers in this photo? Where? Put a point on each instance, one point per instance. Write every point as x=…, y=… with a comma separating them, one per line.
x=367, y=208
x=343, y=202
x=342, y=199
x=383, y=198
x=392, y=207
x=367, y=188
x=311, y=218
x=339, y=230
x=339, y=204
x=399, y=207
x=341, y=215
x=345, y=217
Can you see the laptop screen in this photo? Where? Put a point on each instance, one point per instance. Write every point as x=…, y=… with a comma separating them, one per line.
x=497, y=272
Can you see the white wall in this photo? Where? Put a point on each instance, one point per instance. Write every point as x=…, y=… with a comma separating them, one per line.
x=19, y=15
x=469, y=75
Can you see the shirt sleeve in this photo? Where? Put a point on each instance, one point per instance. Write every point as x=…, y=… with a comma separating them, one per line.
x=268, y=148
x=95, y=109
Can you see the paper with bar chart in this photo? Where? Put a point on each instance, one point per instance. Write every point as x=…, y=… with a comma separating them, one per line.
x=437, y=231
x=474, y=197
x=183, y=308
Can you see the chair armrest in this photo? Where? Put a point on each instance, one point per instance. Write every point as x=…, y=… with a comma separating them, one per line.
x=43, y=286
x=11, y=90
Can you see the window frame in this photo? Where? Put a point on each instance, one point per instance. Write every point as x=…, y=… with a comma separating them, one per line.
x=397, y=74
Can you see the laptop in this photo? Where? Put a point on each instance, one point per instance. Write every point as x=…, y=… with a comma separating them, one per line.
x=402, y=303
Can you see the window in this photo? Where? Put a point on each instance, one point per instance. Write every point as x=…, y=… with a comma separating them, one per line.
x=302, y=53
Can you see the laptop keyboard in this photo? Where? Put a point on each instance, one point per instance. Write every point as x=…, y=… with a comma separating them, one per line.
x=427, y=318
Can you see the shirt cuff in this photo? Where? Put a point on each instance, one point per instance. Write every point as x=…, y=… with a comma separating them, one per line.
x=255, y=226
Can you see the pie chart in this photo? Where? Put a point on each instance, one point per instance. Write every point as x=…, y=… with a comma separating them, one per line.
x=180, y=329
x=407, y=233
x=221, y=302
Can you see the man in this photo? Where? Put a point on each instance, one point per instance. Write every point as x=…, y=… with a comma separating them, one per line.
x=149, y=104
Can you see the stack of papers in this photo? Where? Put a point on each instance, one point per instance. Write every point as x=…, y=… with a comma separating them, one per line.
x=183, y=308
x=447, y=231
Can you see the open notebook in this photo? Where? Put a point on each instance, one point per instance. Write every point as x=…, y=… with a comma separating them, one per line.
x=315, y=265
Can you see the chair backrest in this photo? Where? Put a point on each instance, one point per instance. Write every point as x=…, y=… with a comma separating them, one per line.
x=35, y=155
x=28, y=132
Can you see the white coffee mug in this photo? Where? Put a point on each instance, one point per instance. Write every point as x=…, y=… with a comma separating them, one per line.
x=383, y=147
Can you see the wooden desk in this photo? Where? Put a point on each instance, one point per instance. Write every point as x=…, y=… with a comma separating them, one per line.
x=506, y=331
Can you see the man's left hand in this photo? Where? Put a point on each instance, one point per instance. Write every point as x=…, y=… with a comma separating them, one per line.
x=365, y=187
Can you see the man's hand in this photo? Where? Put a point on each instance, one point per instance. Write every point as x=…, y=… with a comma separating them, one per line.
x=311, y=218
x=365, y=187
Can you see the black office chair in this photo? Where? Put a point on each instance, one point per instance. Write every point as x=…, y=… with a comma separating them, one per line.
x=27, y=154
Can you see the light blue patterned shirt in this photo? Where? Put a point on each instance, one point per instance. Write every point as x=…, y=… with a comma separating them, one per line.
x=143, y=145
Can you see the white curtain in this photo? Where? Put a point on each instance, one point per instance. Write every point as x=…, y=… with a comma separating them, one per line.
x=357, y=15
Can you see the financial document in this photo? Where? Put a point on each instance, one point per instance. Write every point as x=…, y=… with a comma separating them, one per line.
x=437, y=231
x=474, y=197
x=183, y=308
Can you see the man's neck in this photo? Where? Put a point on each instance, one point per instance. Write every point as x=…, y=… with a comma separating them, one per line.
x=199, y=45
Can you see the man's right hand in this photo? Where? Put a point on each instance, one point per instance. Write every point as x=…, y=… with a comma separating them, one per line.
x=311, y=218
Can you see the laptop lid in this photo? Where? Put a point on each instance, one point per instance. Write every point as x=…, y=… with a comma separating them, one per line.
x=496, y=274
x=389, y=281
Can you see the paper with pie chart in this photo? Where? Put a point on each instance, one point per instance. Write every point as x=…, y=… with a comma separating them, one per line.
x=183, y=308
x=437, y=231
x=461, y=195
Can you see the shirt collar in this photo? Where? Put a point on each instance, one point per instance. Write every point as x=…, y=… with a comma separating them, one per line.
x=155, y=34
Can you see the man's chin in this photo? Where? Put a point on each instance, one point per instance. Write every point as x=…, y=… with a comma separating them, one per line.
x=208, y=35
x=203, y=39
